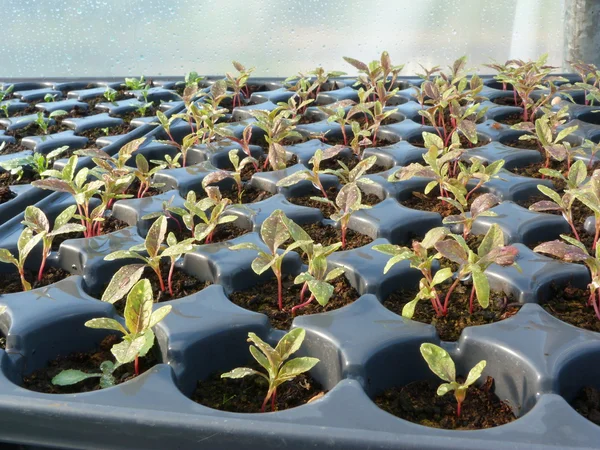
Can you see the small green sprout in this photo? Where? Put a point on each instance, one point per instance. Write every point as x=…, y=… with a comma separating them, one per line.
x=27, y=241
x=440, y=363
x=273, y=360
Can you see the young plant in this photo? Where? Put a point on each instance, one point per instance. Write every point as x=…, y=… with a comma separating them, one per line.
x=273, y=360
x=317, y=277
x=313, y=175
x=243, y=142
x=339, y=115
x=44, y=123
x=347, y=202
x=354, y=175
x=378, y=76
x=144, y=174
x=574, y=251
x=192, y=79
x=421, y=259
x=205, y=231
x=491, y=251
x=37, y=162
x=589, y=195
x=110, y=95
x=27, y=241
x=440, y=363
x=278, y=127
x=239, y=83
x=3, y=95
x=82, y=191
x=135, y=84
x=274, y=233
x=236, y=175
x=167, y=210
x=138, y=337
x=36, y=220
x=49, y=98
x=479, y=208
x=360, y=139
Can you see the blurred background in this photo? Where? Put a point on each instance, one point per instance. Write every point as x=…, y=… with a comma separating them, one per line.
x=278, y=37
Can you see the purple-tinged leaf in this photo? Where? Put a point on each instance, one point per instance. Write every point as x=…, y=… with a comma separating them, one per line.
x=453, y=251
x=483, y=203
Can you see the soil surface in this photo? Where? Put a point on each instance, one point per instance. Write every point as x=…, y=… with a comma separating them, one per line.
x=249, y=195
x=247, y=394
x=511, y=119
x=517, y=143
x=108, y=226
x=222, y=233
x=262, y=298
x=450, y=327
x=430, y=202
x=41, y=380
x=328, y=235
x=418, y=402
x=569, y=304
x=505, y=101
x=587, y=403
x=532, y=171
x=11, y=282
x=6, y=194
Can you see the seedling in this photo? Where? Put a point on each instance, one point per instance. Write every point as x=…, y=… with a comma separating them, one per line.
x=49, y=98
x=354, y=175
x=239, y=83
x=339, y=116
x=135, y=84
x=574, y=251
x=376, y=74
x=192, y=79
x=421, y=259
x=36, y=220
x=313, y=175
x=81, y=190
x=138, y=337
x=278, y=127
x=360, y=139
x=491, y=251
x=110, y=95
x=317, y=277
x=44, y=123
x=3, y=95
x=244, y=142
x=37, y=162
x=169, y=162
x=274, y=233
x=236, y=175
x=27, y=241
x=205, y=231
x=273, y=360
x=347, y=202
x=440, y=363
x=128, y=275
x=589, y=195
x=168, y=210
x=479, y=208
x=144, y=174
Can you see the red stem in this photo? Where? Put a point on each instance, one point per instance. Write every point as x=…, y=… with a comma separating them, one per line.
x=458, y=409
x=597, y=233
x=595, y=303
x=279, y=291
x=273, y=398
x=303, y=291
x=160, y=279
x=137, y=365
x=23, y=280
x=471, y=300
x=45, y=249
x=344, y=228
x=448, y=294
x=302, y=305
x=170, y=279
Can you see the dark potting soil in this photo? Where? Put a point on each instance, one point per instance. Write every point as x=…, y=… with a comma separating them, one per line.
x=350, y=161
x=430, y=202
x=517, y=143
x=328, y=235
x=134, y=187
x=249, y=195
x=6, y=194
x=11, y=282
x=449, y=327
x=94, y=133
x=569, y=304
x=511, y=119
x=246, y=395
x=505, y=101
x=533, y=171
x=10, y=149
x=108, y=226
x=380, y=142
x=249, y=170
x=89, y=362
x=418, y=402
x=262, y=298
x=587, y=403
x=326, y=209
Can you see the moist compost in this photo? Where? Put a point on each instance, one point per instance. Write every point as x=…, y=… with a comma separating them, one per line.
x=328, y=235
x=223, y=232
x=6, y=194
x=246, y=395
x=510, y=119
x=569, y=304
x=262, y=298
x=249, y=195
x=587, y=403
x=11, y=282
x=431, y=202
x=41, y=380
x=418, y=402
x=450, y=326
x=109, y=225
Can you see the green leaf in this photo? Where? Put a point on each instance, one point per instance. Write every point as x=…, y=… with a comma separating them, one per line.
x=439, y=361
x=274, y=231
x=482, y=288
x=271, y=354
x=36, y=219
x=408, y=310
x=433, y=236
x=7, y=257
x=240, y=372
x=321, y=290
x=260, y=358
x=441, y=276
x=444, y=388
x=148, y=342
x=65, y=216
x=138, y=308
x=492, y=239
x=122, y=282
x=333, y=274
x=245, y=246
x=72, y=376
x=105, y=323
x=123, y=254
x=159, y=315
x=475, y=373
x=452, y=250
x=128, y=349
x=156, y=236
x=295, y=367
x=294, y=178
x=27, y=242
x=290, y=343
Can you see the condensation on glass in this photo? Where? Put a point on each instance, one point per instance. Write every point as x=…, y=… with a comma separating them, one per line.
x=278, y=37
